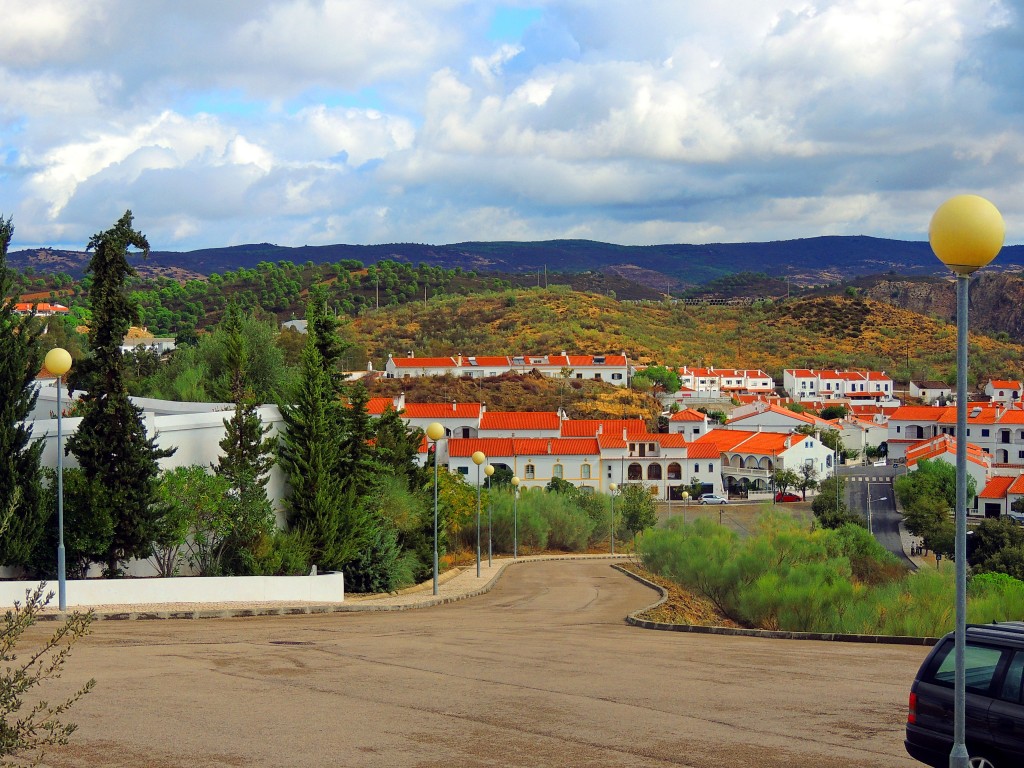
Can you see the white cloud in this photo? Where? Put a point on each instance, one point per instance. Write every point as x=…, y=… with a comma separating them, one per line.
x=297, y=121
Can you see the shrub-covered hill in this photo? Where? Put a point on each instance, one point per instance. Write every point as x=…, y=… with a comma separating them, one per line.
x=823, y=332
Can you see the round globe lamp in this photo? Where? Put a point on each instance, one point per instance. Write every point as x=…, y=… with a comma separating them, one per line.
x=58, y=362
x=435, y=432
x=479, y=457
x=966, y=233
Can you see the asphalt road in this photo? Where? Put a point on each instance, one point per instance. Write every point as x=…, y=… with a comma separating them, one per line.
x=869, y=492
x=541, y=671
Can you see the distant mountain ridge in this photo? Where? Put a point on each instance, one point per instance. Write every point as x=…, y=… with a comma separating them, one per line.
x=805, y=261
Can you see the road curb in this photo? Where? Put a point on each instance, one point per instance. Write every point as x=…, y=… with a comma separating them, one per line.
x=838, y=637
x=303, y=610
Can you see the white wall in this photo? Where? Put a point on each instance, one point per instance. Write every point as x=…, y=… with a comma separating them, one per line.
x=322, y=588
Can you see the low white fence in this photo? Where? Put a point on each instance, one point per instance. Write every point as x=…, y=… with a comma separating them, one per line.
x=321, y=588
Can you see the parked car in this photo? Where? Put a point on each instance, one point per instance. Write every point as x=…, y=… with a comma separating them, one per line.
x=787, y=497
x=712, y=498
x=994, y=672
x=1017, y=517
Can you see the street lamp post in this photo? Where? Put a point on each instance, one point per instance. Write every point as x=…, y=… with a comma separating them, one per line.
x=489, y=470
x=479, y=457
x=58, y=362
x=435, y=432
x=686, y=503
x=613, y=487
x=515, y=517
x=966, y=232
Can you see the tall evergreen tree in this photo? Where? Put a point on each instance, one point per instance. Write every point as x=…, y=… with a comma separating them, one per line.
x=248, y=452
x=309, y=451
x=117, y=458
x=20, y=471
x=322, y=330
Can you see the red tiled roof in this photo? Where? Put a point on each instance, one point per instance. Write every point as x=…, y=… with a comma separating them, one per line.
x=519, y=420
x=1017, y=486
x=748, y=442
x=503, y=447
x=689, y=414
x=423, y=362
x=376, y=406
x=996, y=488
x=1012, y=417
x=589, y=427
x=702, y=451
x=492, y=361
x=442, y=410
x=938, y=446
x=1005, y=384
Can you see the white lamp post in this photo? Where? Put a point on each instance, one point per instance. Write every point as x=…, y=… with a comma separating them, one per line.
x=515, y=517
x=613, y=487
x=966, y=233
x=435, y=432
x=479, y=457
x=58, y=362
x=686, y=500
x=489, y=470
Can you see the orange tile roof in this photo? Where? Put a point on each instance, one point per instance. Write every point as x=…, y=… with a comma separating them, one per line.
x=748, y=442
x=376, y=406
x=938, y=446
x=702, y=451
x=504, y=447
x=772, y=408
x=494, y=361
x=442, y=410
x=1017, y=486
x=590, y=427
x=1012, y=417
x=689, y=414
x=423, y=362
x=996, y=488
x=519, y=420
x=1005, y=384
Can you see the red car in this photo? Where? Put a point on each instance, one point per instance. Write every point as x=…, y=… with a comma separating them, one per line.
x=787, y=497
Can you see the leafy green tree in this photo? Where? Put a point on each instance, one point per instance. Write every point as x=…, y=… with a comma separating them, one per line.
x=24, y=730
x=20, y=470
x=807, y=479
x=117, y=459
x=636, y=506
x=927, y=496
x=996, y=545
x=829, y=506
x=830, y=412
x=784, y=479
x=659, y=377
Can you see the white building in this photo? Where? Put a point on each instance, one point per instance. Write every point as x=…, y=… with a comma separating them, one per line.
x=611, y=369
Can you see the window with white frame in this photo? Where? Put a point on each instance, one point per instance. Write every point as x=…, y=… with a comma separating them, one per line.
x=531, y=472
x=585, y=471
x=556, y=471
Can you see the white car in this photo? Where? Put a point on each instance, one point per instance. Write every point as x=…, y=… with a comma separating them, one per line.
x=712, y=498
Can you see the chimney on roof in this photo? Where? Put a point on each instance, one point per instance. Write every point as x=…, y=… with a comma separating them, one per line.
x=600, y=429
x=458, y=360
x=409, y=354
x=454, y=406
x=549, y=446
x=400, y=401
x=369, y=367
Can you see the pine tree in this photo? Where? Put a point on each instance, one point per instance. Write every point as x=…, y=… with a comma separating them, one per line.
x=308, y=452
x=117, y=458
x=248, y=452
x=322, y=329
x=20, y=471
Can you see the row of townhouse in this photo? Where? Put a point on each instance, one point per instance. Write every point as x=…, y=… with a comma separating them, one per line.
x=855, y=432
x=714, y=382
x=611, y=369
x=994, y=428
x=808, y=384
x=592, y=453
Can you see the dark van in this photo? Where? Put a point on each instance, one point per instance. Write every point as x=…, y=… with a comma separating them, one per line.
x=994, y=672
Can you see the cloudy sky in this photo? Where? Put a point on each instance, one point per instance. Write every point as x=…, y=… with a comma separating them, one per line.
x=373, y=121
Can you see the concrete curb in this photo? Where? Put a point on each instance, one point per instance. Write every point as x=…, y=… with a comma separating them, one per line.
x=366, y=605
x=635, y=620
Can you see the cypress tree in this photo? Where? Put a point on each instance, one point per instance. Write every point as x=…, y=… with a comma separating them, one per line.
x=20, y=472
x=248, y=452
x=118, y=460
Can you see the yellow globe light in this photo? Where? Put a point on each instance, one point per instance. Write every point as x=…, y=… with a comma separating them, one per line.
x=435, y=431
x=966, y=233
x=515, y=480
x=489, y=470
x=613, y=487
x=479, y=457
x=57, y=361
x=685, y=495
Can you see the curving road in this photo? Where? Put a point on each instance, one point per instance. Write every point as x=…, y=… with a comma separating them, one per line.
x=870, y=493
x=541, y=671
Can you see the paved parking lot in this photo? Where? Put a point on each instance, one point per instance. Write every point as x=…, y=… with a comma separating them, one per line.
x=541, y=671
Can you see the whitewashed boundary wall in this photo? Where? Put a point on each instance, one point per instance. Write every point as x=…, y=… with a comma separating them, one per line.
x=321, y=588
